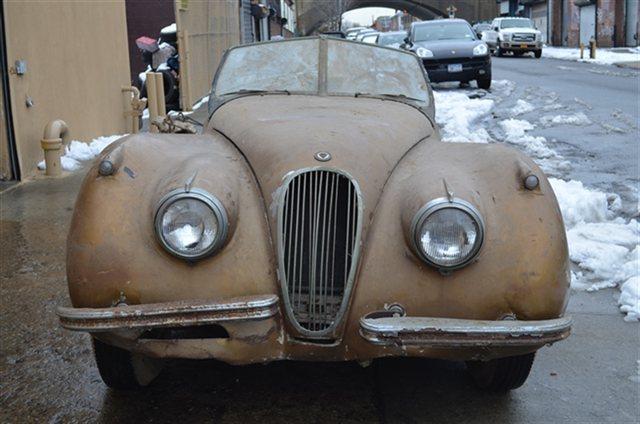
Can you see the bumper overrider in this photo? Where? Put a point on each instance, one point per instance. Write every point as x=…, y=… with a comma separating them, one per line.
x=255, y=330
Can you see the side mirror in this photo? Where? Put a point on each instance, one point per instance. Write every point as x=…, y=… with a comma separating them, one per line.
x=495, y=29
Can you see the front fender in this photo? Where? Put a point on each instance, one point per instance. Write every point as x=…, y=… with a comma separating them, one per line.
x=112, y=248
x=522, y=268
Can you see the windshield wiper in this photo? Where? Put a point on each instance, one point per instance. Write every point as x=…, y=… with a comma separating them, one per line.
x=245, y=91
x=392, y=96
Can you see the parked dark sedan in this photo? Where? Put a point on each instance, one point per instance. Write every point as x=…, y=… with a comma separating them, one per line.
x=451, y=51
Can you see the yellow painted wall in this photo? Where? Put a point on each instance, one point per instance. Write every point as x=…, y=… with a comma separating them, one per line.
x=212, y=26
x=77, y=62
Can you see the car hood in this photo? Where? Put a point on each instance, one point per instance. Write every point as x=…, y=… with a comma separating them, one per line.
x=520, y=31
x=279, y=134
x=449, y=48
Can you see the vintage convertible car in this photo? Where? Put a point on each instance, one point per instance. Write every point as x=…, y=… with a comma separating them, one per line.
x=317, y=217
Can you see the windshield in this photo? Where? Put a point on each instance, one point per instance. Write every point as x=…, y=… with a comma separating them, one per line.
x=293, y=66
x=516, y=23
x=443, y=31
x=388, y=39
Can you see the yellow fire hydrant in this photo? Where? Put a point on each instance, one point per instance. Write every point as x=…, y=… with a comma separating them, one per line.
x=52, y=145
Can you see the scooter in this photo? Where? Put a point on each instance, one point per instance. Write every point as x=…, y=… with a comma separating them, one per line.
x=161, y=55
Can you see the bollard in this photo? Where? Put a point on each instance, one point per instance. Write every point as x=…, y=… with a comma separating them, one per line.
x=581, y=50
x=152, y=97
x=592, y=48
x=52, y=145
x=162, y=108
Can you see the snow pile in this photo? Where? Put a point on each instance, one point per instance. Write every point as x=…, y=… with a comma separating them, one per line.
x=77, y=152
x=628, y=301
x=522, y=107
x=605, y=249
x=574, y=119
x=515, y=133
x=603, y=57
x=458, y=116
x=503, y=87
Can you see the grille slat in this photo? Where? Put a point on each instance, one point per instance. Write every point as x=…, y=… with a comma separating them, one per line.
x=319, y=226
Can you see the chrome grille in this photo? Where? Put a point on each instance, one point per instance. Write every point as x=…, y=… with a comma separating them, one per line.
x=523, y=37
x=319, y=227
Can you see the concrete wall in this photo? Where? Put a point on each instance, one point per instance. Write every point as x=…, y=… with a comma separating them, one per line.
x=77, y=62
x=212, y=27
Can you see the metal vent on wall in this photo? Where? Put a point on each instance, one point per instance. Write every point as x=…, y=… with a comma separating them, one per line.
x=319, y=227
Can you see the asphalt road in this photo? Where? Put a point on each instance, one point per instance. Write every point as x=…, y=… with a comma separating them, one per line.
x=604, y=154
x=48, y=375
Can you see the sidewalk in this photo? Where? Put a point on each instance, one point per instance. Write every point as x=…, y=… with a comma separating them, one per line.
x=625, y=57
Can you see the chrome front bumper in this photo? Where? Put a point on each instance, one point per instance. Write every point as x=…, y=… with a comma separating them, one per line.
x=171, y=314
x=462, y=333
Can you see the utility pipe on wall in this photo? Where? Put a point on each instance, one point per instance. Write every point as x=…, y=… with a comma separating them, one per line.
x=133, y=107
x=52, y=145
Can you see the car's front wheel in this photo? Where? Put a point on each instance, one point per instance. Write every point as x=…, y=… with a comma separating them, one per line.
x=123, y=370
x=538, y=54
x=501, y=375
x=484, y=81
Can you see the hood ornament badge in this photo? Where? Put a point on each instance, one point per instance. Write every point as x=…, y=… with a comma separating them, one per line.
x=322, y=156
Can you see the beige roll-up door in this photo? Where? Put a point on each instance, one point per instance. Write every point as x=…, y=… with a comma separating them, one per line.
x=75, y=57
x=211, y=27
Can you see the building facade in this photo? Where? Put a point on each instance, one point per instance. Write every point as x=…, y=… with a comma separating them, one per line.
x=612, y=23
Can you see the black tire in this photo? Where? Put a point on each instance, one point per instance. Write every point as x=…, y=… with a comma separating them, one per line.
x=501, y=375
x=117, y=367
x=484, y=81
x=537, y=54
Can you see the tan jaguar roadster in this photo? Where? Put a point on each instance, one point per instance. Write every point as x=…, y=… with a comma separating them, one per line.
x=318, y=217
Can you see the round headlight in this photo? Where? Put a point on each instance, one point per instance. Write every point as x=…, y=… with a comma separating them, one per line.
x=447, y=234
x=424, y=53
x=191, y=224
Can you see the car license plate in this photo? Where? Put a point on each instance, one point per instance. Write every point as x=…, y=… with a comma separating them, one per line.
x=456, y=67
x=523, y=46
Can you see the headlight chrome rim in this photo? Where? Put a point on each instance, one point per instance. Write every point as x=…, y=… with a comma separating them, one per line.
x=209, y=200
x=443, y=203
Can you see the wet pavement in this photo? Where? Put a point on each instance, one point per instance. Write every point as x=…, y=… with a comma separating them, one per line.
x=48, y=375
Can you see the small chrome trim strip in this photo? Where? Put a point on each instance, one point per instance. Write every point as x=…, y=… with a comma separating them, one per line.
x=453, y=333
x=170, y=314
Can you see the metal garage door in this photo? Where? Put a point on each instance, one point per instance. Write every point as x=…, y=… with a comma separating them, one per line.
x=539, y=17
x=246, y=22
x=587, y=23
x=632, y=23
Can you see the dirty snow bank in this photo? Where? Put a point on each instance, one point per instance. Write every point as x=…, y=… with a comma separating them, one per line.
x=603, y=56
x=457, y=114
x=574, y=119
x=606, y=249
x=77, y=152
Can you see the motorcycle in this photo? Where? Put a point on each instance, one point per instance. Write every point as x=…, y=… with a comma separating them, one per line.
x=161, y=55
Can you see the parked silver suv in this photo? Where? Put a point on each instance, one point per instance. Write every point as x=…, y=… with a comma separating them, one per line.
x=516, y=35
